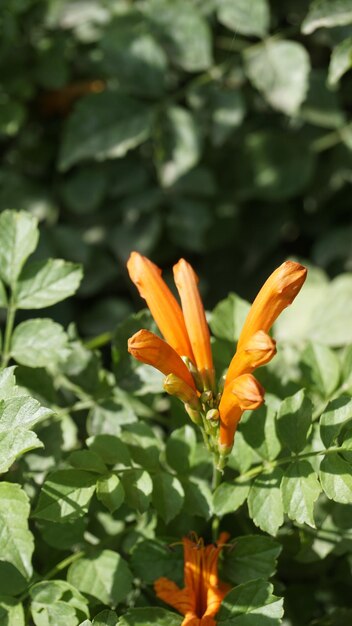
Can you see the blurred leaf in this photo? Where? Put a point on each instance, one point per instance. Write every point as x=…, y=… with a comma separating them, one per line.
x=229, y=497
x=279, y=70
x=336, y=478
x=259, y=430
x=337, y=414
x=228, y=114
x=104, y=575
x=168, y=495
x=245, y=17
x=251, y=600
x=327, y=14
x=11, y=612
x=57, y=602
x=322, y=367
x=110, y=492
x=152, y=559
x=189, y=222
x=294, y=421
x=321, y=107
x=65, y=495
x=16, y=540
x=149, y=617
x=300, y=489
x=265, y=502
x=111, y=449
x=341, y=60
x=250, y=557
x=39, y=343
x=138, y=489
x=183, y=32
x=132, y=54
x=177, y=144
x=18, y=239
x=104, y=126
x=180, y=448
x=87, y=460
x=198, y=497
x=228, y=318
x=84, y=189
x=105, y=618
x=44, y=283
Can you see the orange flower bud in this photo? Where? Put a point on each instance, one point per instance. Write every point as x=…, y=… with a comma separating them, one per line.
x=259, y=350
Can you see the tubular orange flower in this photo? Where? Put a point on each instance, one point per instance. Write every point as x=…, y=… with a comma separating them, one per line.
x=200, y=599
x=259, y=350
x=149, y=348
x=186, y=282
x=162, y=304
x=244, y=393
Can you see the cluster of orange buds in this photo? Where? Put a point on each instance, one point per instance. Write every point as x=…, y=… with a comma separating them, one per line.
x=185, y=356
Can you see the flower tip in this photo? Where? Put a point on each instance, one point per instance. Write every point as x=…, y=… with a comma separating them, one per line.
x=291, y=276
x=248, y=391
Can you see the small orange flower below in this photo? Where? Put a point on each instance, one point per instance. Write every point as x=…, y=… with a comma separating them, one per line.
x=200, y=599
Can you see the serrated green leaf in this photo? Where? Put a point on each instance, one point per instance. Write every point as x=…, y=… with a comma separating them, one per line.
x=228, y=317
x=251, y=603
x=110, y=449
x=180, y=448
x=294, y=421
x=57, y=602
x=336, y=478
x=16, y=540
x=259, y=430
x=104, y=575
x=110, y=492
x=44, y=283
x=65, y=495
x=87, y=460
x=336, y=415
x=150, y=617
x=322, y=366
x=229, y=497
x=280, y=71
x=15, y=442
x=327, y=14
x=242, y=16
x=39, y=343
x=18, y=239
x=183, y=32
x=168, y=495
x=153, y=559
x=138, y=488
x=11, y=612
x=104, y=126
x=300, y=489
x=265, y=502
x=177, y=147
x=250, y=557
x=22, y=412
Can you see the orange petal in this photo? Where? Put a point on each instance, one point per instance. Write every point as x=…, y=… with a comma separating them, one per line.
x=162, y=304
x=244, y=393
x=194, y=315
x=277, y=293
x=170, y=593
x=149, y=348
x=259, y=350
x=177, y=387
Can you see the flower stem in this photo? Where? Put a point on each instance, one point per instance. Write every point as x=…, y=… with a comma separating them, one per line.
x=11, y=312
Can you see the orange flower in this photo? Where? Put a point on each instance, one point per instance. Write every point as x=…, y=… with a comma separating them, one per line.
x=185, y=357
x=200, y=599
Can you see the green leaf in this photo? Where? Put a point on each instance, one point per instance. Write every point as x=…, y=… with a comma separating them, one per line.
x=336, y=478
x=189, y=224
x=44, y=283
x=3, y=296
x=15, y=442
x=18, y=239
x=110, y=492
x=300, y=489
x=341, y=61
x=16, y=540
x=110, y=449
x=294, y=421
x=265, y=502
x=65, y=495
x=168, y=495
x=251, y=603
x=259, y=430
x=133, y=55
x=280, y=71
x=327, y=14
x=150, y=617
x=104, y=126
x=152, y=559
x=321, y=106
x=323, y=368
x=183, y=32
x=84, y=188
x=105, y=618
x=247, y=18
x=11, y=612
x=228, y=317
x=22, y=412
x=177, y=144
x=180, y=448
x=336, y=415
x=142, y=444
x=138, y=488
x=87, y=460
x=104, y=575
x=229, y=497
x=250, y=557
x=39, y=343
x=198, y=497
x=57, y=602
